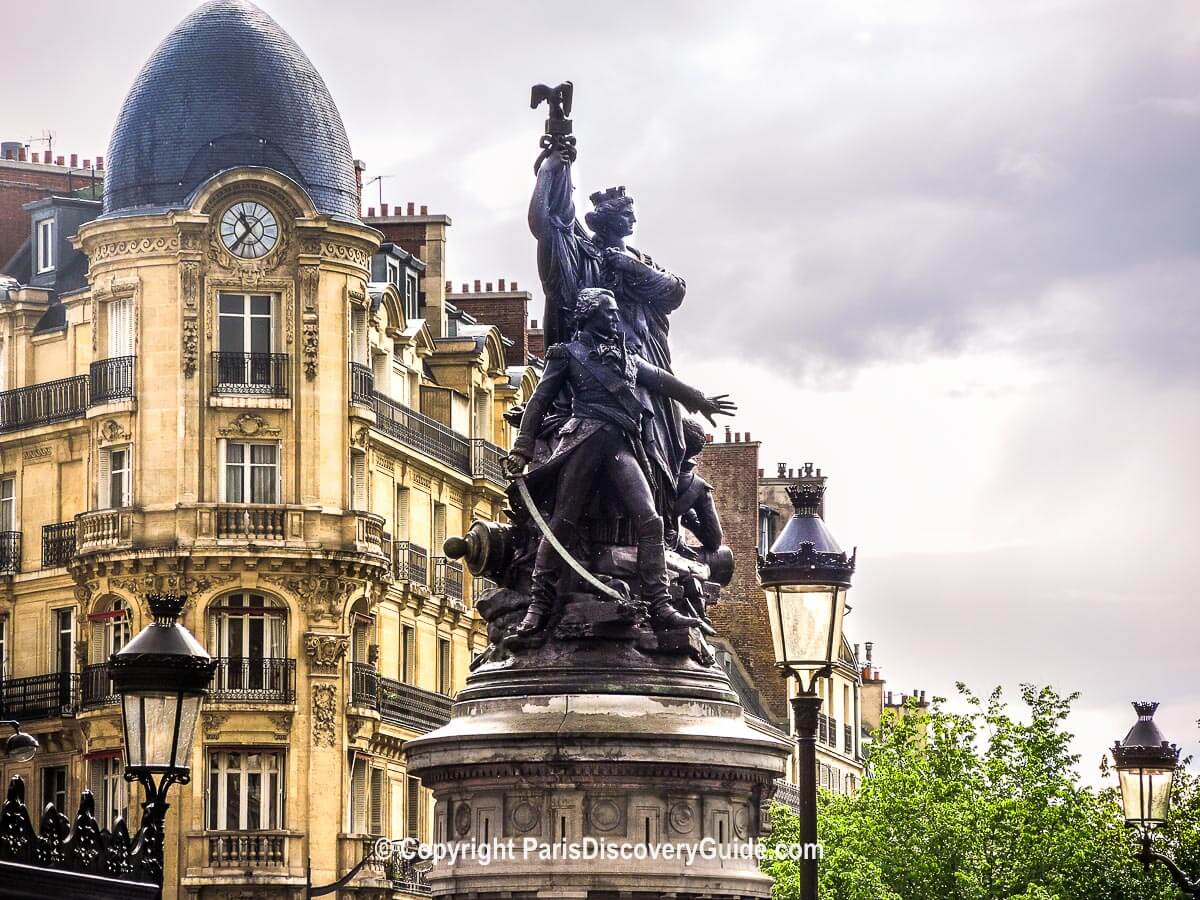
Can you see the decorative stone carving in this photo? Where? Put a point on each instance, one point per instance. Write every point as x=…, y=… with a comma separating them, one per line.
x=525, y=816
x=212, y=723
x=362, y=437
x=355, y=255
x=133, y=247
x=281, y=725
x=325, y=651
x=462, y=819
x=309, y=345
x=199, y=583
x=249, y=425
x=682, y=817
x=111, y=432
x=606, y=815
x=189, y=289
x=324, y=714
x=322, y=597
x=37, y=454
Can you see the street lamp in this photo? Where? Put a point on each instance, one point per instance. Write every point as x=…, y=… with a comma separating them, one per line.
x=162, y=676
x=20, y=747
x=1145, y=762
x=805, y=575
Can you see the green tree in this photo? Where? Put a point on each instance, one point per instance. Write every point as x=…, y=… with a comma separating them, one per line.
x=981, y=805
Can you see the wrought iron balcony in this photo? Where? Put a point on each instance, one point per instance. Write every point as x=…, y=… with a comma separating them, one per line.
x=96, y=687
x=410, y=563
x=421, y=433
x=407, y=879
x=480, y=586
x=448, y=578
x=260, y=374
x=58, y=544
x=247, y=850
x=788, y=794
x=10, y=552
x=487, y=462
x=39, y=697
x=41, y=404
x=364, y=685
x=254, y=679
x=362, y=384
x=111, y=380
x=252, y=522
x=404, y=704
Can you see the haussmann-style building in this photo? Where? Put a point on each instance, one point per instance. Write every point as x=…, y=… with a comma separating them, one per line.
x=222, y=381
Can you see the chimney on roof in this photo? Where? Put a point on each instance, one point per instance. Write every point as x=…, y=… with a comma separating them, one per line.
x=466, y=287
x=412, y=209
x=36, y=158
x=370, y=212
x=477, y=283
x=424, y=210
x=74, y=160
x=782, y=467
x=21, y=155
x=728, y=431
x=748, y=441
x=383, y=209
x=514, y=286
x=359, y=168
x=87, y=163
x=500, y=285
x=488, y=287
x=791, y=473
x=708, y=438
x=99, y=162
x=60, y=161
x=533, y=324
x=870, y=645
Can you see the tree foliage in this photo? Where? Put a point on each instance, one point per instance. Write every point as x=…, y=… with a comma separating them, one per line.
x=982, y=805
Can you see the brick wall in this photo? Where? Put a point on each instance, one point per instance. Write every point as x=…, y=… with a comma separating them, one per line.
x=24, y=182
x=537, y=342
x=731, y=467
x=502, y=305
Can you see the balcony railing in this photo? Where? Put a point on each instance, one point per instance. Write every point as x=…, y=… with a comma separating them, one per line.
x=10, y=552
x=58, y=544
x=421, y=433
x=407, y=879
x=38, y=697
x=96, y=687
x=103, y=528
x=368, y=530
x=364, y=685
x=250, y=679
x=41, y=404
x=480, y=586
x=447, y=578
x=487, y=462
x=247, y=849
x=412, y=707
x=362, y=384
x=261, y=374
x=111, y=380
x=411, y=563
x=788, y=794
x=252, y=522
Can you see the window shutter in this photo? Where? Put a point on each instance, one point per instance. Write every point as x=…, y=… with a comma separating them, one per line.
x=360, y=640
x=96, y=642
x=413, y=808
x=358, y=481
x=358, y=335
x=222, y=475
x=358, y=796
x=439, y=529
x=402, y=514
x=105, y=500
x=377, y=796
x=127, y=479
x=410, y=654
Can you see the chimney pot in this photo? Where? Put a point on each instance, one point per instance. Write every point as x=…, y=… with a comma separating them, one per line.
x=412, y=207
x=99, y=162
x=36, y=158
x=500, y=285
x=424, y=210
x=488, y=287
x=748, y=441
x=728, y=431
x=383, y=209
x=533, y=324
x=74, y=160
x=760, y=473
x=737, y=437
x=60, y=161
x=782, y=469
x=514, y=286
x=21, y=154
x=370, y=212
x=449, y=287
x=870, y=645
x=87, y=163
x=791, y=473
x=477, y=283
x=708, y=438
x=466, y=287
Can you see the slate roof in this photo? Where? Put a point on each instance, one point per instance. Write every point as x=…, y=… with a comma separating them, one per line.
x=228, y=87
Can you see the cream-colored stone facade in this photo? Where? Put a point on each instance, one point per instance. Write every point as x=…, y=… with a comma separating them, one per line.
x=341, y=632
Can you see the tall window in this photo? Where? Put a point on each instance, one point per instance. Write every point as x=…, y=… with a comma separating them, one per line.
x=63, y=650
x=444, y=673
x=411, y=297
x=110, y=631
x=358, y=480
x=358, y=335
x=45, y=245
x=401, y=513
x=120, y=327
x=245, y=791
x=8, y=493
x=251, y=473
x=368, y=785
x=378, y=800
x=393, y=272
x=54, y=788
x=439, y=528
x=412, y=811
x=249, y=632
x=116, y=477
x=106, y=778
x=245, y=325
x=3, y=648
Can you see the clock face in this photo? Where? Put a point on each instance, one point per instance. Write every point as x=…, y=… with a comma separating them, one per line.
x=249, y=230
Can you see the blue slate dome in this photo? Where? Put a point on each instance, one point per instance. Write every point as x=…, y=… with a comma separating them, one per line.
x=228, y=87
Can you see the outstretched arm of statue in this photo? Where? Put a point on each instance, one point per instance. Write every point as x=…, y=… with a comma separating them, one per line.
x=662, y=382
x=644, y=281
x=552, y=382
x=551, y=205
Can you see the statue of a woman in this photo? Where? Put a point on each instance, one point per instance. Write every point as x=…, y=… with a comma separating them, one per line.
x=571, y=258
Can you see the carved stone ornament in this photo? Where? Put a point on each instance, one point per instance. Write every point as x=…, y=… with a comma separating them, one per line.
x=324, y=714
x=322, y=597
x=249, y=425
x=325, y=651
x=189, y=289
x=281, y=725
x=212, y=722
x=111, y=432
x=310, y=345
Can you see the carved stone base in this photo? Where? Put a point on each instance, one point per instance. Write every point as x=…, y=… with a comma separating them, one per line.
x=595, y=771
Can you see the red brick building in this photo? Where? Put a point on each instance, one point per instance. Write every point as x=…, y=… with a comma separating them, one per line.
x=26, y=177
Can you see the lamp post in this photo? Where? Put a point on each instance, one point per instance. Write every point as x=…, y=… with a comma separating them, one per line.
x=20, y=747
x=1146, y=762
x=805, y=575
x=162, y=676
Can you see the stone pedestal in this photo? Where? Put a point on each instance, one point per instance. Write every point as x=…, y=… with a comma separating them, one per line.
x=640, y=777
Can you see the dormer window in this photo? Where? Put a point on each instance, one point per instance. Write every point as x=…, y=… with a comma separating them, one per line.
x=393, y=272
x=45, y=245
x=411, y=300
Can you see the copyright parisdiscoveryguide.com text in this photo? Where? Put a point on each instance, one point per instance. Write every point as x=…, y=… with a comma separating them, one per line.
x=707, y=849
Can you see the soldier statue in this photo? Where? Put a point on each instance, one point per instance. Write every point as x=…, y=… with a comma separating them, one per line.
x=599, y=448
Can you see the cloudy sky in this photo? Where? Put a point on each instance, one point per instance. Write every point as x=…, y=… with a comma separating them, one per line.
x=947, y=251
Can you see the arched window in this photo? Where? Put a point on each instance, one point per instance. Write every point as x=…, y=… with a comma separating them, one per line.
x=109, y=629
x=248, y=635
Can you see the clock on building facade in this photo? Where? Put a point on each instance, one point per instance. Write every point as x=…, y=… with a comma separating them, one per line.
x=249, y=230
